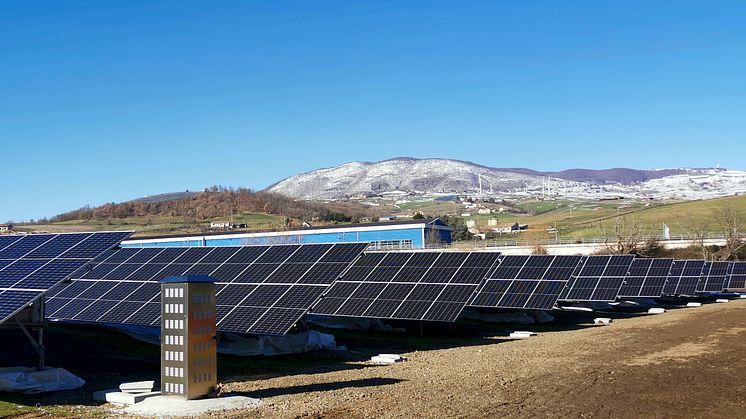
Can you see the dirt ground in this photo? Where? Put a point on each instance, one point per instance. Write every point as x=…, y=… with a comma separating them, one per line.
x=684, y=363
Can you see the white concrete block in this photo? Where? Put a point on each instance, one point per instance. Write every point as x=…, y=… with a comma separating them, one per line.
x=387, y=359
x=656, y=310
x=693, y=304
x=117, y=397
x=605, y=321
x=137, y=387
x=522, y=335
x=722, y=300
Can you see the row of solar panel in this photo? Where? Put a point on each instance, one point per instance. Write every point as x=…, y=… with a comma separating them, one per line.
x=31, y=264
x=271, y=287
x=267, y=289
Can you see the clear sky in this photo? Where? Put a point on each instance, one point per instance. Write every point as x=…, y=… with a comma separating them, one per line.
x=107, y=100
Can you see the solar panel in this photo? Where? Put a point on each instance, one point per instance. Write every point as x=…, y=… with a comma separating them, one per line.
x=736, y=278
x=684, y=277
x=32, y=264
x=597, y=278
x=407, y=285
x=526, y=282
x=260, y=289
x=646, y=278
x=713, y=277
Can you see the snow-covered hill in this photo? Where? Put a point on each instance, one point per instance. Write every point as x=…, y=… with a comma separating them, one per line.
x=444, y=176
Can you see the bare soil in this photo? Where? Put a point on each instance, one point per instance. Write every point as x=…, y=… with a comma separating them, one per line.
x=684, y=363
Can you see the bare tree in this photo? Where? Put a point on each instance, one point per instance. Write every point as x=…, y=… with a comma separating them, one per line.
x=537, y=239
x=729, y=221
x=699, y=228
x=626, y=238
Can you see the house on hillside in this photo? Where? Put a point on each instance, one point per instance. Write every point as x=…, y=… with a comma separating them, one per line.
x=4, y=228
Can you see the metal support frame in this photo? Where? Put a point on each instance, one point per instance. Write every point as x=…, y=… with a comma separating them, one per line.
x=32, y=318
x=37, y=344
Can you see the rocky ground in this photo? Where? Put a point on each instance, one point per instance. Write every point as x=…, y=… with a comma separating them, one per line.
x=684, y=363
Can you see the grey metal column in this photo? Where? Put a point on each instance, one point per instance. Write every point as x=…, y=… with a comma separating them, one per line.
x=188, y=344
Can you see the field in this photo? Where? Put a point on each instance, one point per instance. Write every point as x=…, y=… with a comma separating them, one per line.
x=156, y=225
x=572, y=219
x=584, y=219
x=684, y=363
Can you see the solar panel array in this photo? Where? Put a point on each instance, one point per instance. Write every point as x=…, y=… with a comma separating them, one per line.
x=713, y=277
x=597, y=278
x=684, y=277
x=408, y=285
x=260, y=289
x=526, y=282
x=646, y=278
x=31, y=264
x=736, y=278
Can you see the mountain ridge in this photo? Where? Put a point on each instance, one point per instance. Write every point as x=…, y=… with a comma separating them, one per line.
x=438, y=175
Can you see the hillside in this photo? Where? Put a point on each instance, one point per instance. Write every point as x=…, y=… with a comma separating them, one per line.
x=193, y=213
x=444, y=176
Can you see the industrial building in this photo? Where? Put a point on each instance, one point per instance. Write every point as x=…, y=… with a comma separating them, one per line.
x=409, y=234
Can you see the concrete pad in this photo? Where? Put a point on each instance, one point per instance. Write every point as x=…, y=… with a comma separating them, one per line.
x=172, y=407
x=117, y=397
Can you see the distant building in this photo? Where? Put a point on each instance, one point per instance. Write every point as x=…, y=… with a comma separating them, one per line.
x=409, y=234
x=6, y=227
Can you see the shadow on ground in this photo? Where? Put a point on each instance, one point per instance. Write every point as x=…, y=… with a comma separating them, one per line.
x=106, y=358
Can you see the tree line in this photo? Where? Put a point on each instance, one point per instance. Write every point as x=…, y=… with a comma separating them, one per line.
x=219, y=201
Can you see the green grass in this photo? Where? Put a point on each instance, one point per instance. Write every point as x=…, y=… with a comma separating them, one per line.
x=159, y=225
x=595, y=219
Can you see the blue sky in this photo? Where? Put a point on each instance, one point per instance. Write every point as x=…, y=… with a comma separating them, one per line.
x=106, y=101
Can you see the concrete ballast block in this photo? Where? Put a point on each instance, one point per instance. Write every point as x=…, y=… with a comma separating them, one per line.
x=722, y=300
x=387, y=359
x=137, y=387
x=693, y=304
x=656, y=310
x=117, y=397
x=605, y=321
x=522, y=335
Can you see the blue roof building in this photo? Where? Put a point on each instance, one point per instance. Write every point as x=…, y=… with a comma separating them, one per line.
x=410, y=234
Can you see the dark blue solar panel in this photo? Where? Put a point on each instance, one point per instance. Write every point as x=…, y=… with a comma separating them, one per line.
x=91, y=246
x=12, y=301
x=713, y=277
x=35, y=264
x=526, y=282
x=646, y=278
x=17, y=271
x=58, y=245
x=266, y=282
x=50, y=274
x=25, y=245
x=684, y=277
x=431, y=286
x=597, y=278
x=736, y=276
x=6, y=241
